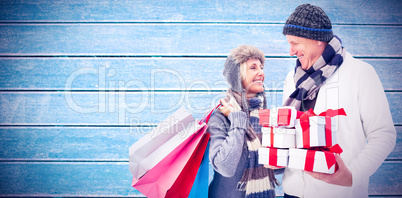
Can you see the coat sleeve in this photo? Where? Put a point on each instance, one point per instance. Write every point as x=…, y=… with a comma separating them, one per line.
x=377, y=125
x=227, y=140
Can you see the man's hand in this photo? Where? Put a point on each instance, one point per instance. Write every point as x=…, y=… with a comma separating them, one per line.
x=342, y=176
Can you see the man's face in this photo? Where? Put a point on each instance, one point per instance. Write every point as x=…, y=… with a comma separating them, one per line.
x=307, y=50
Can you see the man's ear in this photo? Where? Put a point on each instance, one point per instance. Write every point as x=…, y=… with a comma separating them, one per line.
x=322, y=44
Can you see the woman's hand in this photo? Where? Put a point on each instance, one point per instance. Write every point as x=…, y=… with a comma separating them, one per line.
x=342, y=176
x=225, y=108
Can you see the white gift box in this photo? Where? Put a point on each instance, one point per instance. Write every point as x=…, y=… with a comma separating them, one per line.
x=282, y=137
x=268, y=156
x=317, y=133
x=297, y=160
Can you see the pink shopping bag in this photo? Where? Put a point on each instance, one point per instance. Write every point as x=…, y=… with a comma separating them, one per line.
x=157, y=181
x=184, y=182
x=160, y=141
x=174, y=175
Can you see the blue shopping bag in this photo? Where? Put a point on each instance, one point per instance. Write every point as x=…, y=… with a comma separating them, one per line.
x=200, y=186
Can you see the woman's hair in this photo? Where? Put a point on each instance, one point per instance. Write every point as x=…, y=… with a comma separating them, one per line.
x=243, y=71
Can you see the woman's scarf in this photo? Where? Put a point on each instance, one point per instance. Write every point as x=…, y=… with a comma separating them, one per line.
x=257, y=180
x=308, y=82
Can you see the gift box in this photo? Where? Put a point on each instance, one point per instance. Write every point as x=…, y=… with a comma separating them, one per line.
x=273, y=156
x=312, y=160
x=281, y=116
x=278, y=137
x=319, y=131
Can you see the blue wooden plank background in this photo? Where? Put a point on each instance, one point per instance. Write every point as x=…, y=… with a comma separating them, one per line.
x=81, y=81
x=106, y=73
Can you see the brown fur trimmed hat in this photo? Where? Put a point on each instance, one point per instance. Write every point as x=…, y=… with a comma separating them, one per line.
x=237, y=56
x=243, y=53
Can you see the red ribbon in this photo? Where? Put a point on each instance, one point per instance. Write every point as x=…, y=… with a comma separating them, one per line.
x=328, y=115
x=273, y=156
x=272, y=136
x=309, y=165
x=329, y=157
x=305, y=125
x=264, y=117
x=284, y=116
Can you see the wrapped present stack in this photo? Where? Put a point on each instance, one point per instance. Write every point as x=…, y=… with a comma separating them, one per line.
x=299, y=140
x=278, y=135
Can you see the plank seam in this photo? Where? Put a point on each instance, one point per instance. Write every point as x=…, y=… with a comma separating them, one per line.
x=62, y=195
x=139, y=90
x=74, y=125
x=89, y=125
x=46, y=22
x=62, y=160
x=124, y=90
x=160, y=56
x=103, y=161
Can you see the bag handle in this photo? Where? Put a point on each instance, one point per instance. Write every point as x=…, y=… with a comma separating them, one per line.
x=206, y=119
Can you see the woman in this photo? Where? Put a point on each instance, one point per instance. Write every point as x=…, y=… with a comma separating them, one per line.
x=235, y=130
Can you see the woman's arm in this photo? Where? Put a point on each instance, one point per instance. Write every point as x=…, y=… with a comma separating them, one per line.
x=227, y=139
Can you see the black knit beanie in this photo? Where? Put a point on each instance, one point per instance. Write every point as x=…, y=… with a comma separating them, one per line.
x=309, y=21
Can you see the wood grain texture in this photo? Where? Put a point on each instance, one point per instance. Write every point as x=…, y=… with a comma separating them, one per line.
x=386, y=181
x=114, y=108
x=179, y=39
x=81, y=81
x=177, y=73
x=87, y=108
x=95, y=179
x=114, y=179
x=68, y=143
x=348, y=12
x=85, y=143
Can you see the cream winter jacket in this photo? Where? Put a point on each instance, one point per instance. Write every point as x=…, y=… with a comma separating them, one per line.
x=367, y=134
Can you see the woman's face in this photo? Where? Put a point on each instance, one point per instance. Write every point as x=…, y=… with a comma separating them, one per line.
x=254, y=79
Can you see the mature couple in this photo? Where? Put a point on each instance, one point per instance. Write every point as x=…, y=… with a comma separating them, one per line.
x=325, y=77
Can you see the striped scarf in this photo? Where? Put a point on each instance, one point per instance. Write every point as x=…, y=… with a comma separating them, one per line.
x=308, y=82
x=257, y=180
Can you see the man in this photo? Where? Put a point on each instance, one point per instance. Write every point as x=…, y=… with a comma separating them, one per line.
x=328, y=77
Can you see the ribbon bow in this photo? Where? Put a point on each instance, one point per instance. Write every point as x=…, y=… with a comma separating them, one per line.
x=305, y=124
x=329, y=157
